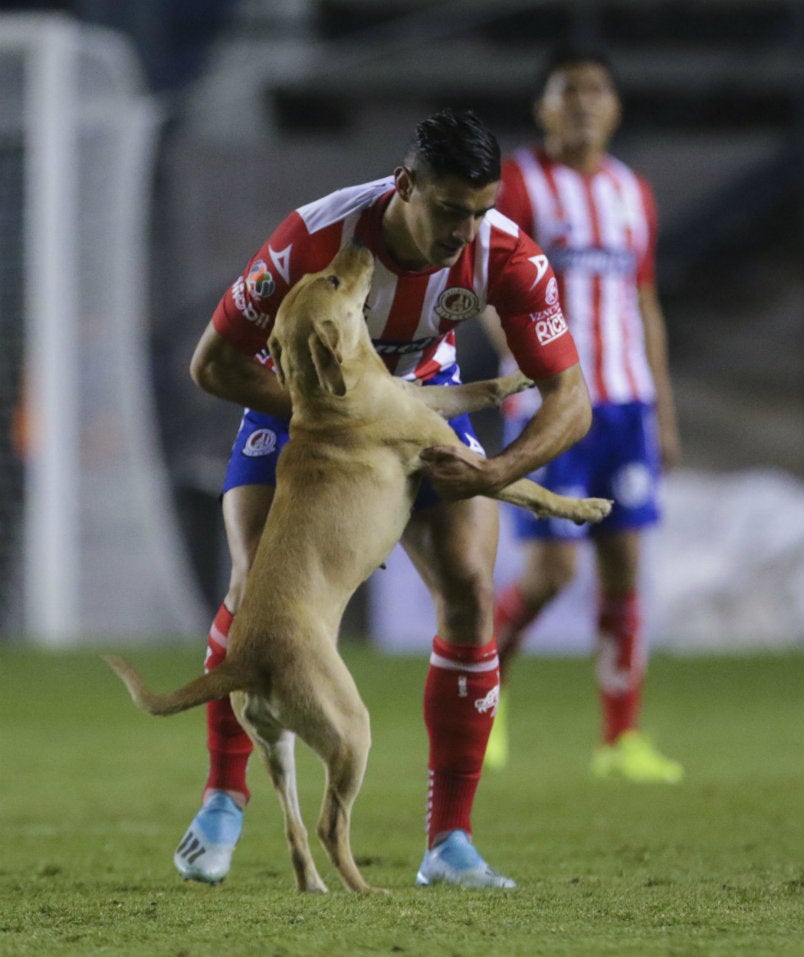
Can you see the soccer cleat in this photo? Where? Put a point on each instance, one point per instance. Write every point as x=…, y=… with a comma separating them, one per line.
x=205, y=851
x=497, y=747
x=632, y=757
x=456, y=861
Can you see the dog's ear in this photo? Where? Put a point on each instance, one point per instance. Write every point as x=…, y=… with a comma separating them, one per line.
x=276, y=354
x=326, y=356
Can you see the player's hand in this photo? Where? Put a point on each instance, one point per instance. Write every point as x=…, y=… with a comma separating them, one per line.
x=456, y=472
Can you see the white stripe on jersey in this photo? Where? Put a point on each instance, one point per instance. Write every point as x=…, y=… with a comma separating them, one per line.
x=324, y=212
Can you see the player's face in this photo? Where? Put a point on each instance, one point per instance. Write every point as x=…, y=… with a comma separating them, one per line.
x=442, y=216
x=580, y=107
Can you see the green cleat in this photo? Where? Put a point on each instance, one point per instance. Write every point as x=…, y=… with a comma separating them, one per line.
x=632, y=757
x=497, y=747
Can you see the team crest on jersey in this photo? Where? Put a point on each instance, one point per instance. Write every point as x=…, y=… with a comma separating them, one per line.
x=259, y=282
x=457, y=303
x=260, y=442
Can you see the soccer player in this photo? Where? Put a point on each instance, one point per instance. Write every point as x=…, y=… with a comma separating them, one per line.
x=596, y=221
x=442, y=253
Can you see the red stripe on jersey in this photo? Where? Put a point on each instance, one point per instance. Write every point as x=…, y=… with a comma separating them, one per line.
x=548, y=166
x=405, y=315
x=646, y=270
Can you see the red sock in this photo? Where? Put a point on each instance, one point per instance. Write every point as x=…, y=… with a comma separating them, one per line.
x=228, y=744
x=460, y=701
x=512, y=615
x=620, y=663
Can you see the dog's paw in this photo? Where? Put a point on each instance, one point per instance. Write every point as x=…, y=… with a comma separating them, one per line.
x=581, y=510
x=593, y=510
x=512, y=383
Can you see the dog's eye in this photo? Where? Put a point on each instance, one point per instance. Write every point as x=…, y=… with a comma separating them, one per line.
x=334, y=280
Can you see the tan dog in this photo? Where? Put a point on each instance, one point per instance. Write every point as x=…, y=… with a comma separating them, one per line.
x=345, y=486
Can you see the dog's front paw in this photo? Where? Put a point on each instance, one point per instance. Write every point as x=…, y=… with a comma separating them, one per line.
x=512, y=383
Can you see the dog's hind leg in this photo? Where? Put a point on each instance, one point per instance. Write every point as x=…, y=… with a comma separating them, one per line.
x=277, y=747
x=345, y=760
x=336, y=727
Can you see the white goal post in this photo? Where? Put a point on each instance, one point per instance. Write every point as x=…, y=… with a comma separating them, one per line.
x=98, y=555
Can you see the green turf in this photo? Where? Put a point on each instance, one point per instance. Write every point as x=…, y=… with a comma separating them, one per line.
x=94, y=796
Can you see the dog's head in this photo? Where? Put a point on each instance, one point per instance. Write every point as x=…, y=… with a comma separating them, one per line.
x=320, y=325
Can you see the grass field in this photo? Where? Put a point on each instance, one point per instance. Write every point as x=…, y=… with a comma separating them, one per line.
x=94, y=796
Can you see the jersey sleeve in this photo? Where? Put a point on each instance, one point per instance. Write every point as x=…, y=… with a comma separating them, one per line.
x=245, y=314
x=524, y=292
x=646, y=267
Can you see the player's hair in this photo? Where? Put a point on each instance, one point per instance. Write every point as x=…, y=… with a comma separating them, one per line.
x=569, y=55
x=451, y=143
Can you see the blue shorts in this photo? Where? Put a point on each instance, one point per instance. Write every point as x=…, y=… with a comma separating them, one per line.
x=261, y=438
x=617, y=459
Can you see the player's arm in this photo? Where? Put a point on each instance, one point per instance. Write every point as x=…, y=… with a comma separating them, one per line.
x=562, y=419
x=221, y=369
x=656, y=349
x=494, y=332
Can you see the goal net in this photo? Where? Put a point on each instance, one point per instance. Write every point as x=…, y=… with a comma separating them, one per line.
x=89, y=546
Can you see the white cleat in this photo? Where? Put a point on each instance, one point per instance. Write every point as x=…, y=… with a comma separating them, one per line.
x=456, y=861
x=205, y=851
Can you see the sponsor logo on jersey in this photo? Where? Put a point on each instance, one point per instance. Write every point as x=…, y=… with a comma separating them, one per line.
x=386, y=348
x=457, y=303
x=488, y=705
x=260, y=442
x=259, y=282
x=246, y=307
x=549, y=325
x=551, y=292
x=593, y=260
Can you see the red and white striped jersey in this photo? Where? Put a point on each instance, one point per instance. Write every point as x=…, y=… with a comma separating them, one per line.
x=599, y=234
x=411, y=315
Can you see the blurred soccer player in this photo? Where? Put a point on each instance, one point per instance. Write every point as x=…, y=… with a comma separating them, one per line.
x=595, y=219
x=442, y=253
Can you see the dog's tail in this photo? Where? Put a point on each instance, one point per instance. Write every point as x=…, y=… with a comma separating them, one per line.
x=217, y=683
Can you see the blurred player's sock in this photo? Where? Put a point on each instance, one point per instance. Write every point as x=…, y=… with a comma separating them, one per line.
x=205, y=851
x=512, y=615
x=632, y=757
x=228, y=744
x=620, y=663
x=497, y=748
x=460, y=699
x=455, y=860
